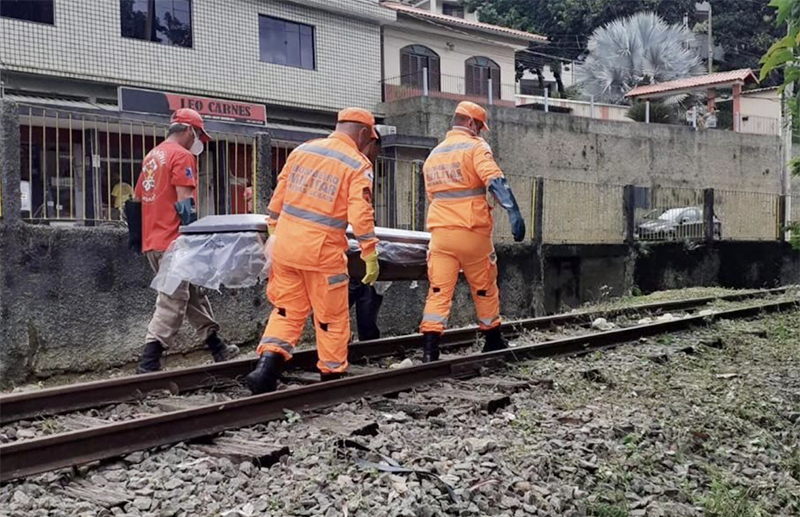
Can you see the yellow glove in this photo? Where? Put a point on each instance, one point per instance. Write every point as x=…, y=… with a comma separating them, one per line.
x=373, y=269
x=271, y=229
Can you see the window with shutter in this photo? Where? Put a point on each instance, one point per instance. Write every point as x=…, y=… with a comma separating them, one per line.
x=478, y=71
x=414, y=59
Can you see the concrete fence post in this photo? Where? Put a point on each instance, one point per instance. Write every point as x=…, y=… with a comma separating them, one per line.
x=591, y=114
x=647, y=112
x=782, y=211
x=708, y=214
x=10, y=175
x=547, y=100
x=629, y=212
x=265, y=178
x=425, y=84
x=418, y=197
x=538, y=211
x=491, y=93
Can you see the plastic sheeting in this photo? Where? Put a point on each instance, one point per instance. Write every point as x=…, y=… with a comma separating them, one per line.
x=398, y=253
x=234, y=260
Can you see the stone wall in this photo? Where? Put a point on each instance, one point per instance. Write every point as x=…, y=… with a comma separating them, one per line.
x=560, y=146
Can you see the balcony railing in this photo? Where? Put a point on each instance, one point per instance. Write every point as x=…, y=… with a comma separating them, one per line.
x=452, y=87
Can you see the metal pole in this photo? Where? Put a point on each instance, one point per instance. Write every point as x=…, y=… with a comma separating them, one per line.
x=647, y=112
x=547, y=100
x=490, y=91
x=425, y=81
x=694, y=117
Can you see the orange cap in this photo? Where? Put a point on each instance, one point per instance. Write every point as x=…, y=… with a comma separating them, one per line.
x=192, y=118
x=472, y=110
x=359, y=115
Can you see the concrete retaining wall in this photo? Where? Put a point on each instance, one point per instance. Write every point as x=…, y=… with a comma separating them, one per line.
x=560, y=146
x=75, y=299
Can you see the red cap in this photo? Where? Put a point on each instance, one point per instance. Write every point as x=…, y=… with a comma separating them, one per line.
x=472, y=110
x=192, y=118
x=361, y=116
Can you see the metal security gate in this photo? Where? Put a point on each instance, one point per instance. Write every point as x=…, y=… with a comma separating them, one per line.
x=79, y=168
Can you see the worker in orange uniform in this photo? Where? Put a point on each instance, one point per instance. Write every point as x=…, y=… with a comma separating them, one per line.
x=325, y=185
x=166, y=190
x=457, y=174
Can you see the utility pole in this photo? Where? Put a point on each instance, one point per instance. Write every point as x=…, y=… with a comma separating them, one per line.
x=710, y=42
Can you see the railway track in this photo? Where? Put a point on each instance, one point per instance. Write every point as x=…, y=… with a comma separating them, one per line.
x=107, y=440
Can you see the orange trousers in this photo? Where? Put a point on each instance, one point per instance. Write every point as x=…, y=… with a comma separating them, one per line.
x=453, y=250
x=293, y=293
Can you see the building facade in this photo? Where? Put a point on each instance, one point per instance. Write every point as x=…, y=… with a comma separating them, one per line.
x=449, y=56
x=329, y=56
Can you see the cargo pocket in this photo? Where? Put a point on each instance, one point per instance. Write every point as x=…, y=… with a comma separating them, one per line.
x=487, y=283
x=335, y=303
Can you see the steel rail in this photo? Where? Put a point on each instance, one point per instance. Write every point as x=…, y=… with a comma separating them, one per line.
x=38, y=455
x=51, y=401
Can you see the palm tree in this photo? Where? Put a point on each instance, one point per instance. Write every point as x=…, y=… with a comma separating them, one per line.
x=633, y=51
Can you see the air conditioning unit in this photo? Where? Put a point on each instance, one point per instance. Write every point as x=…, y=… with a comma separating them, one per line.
x=386, y=130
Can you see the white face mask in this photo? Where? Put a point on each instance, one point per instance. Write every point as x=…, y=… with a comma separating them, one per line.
x=197, y=145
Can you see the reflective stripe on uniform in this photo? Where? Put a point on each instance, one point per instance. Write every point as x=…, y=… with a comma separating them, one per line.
x=366, y=236
x=488, y=321
x=458, y=194
x=332, y=153
x=434, y=317
x=315, y=217
x=332, y=365
x=451, y=148
x=273, y=215
x=283, y=345
x=336, y=279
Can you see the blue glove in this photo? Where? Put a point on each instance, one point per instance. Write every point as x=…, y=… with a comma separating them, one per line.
x=186, y=211
x=502, y=193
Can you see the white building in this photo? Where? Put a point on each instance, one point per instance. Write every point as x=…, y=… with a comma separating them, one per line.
x=426, y=51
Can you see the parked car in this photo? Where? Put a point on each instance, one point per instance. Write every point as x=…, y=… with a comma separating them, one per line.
x=676, y=223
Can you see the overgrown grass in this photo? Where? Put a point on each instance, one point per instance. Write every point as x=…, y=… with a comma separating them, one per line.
x=728, y=501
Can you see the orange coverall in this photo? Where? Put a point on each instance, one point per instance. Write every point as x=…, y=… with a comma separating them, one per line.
x=324, y=185
x=457, y=173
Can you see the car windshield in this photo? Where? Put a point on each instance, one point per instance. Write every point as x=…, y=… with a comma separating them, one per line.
x=671, y=215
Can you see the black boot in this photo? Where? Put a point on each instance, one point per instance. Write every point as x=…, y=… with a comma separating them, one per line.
x=265, y=377
x=493, y=340
x=151, y=358
x=220, y=350
x=331, y=376
x=430, y=349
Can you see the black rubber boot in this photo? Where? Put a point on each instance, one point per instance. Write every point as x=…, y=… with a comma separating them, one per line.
x=151, y=358
x=493, y=340
x=220, y=350
x=330, y=376
x=265, y=377
x=430, y=349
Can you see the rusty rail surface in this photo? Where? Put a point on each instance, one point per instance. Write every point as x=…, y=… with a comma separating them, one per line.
x=51, y=401
x=25, y=458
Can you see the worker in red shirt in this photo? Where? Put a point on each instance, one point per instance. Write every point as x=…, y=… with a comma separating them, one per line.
x=166, y=190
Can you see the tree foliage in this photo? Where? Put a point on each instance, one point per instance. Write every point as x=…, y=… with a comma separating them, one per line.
x=633, y=51
x=744, y=28
x=784, y=55
x=567, y=23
